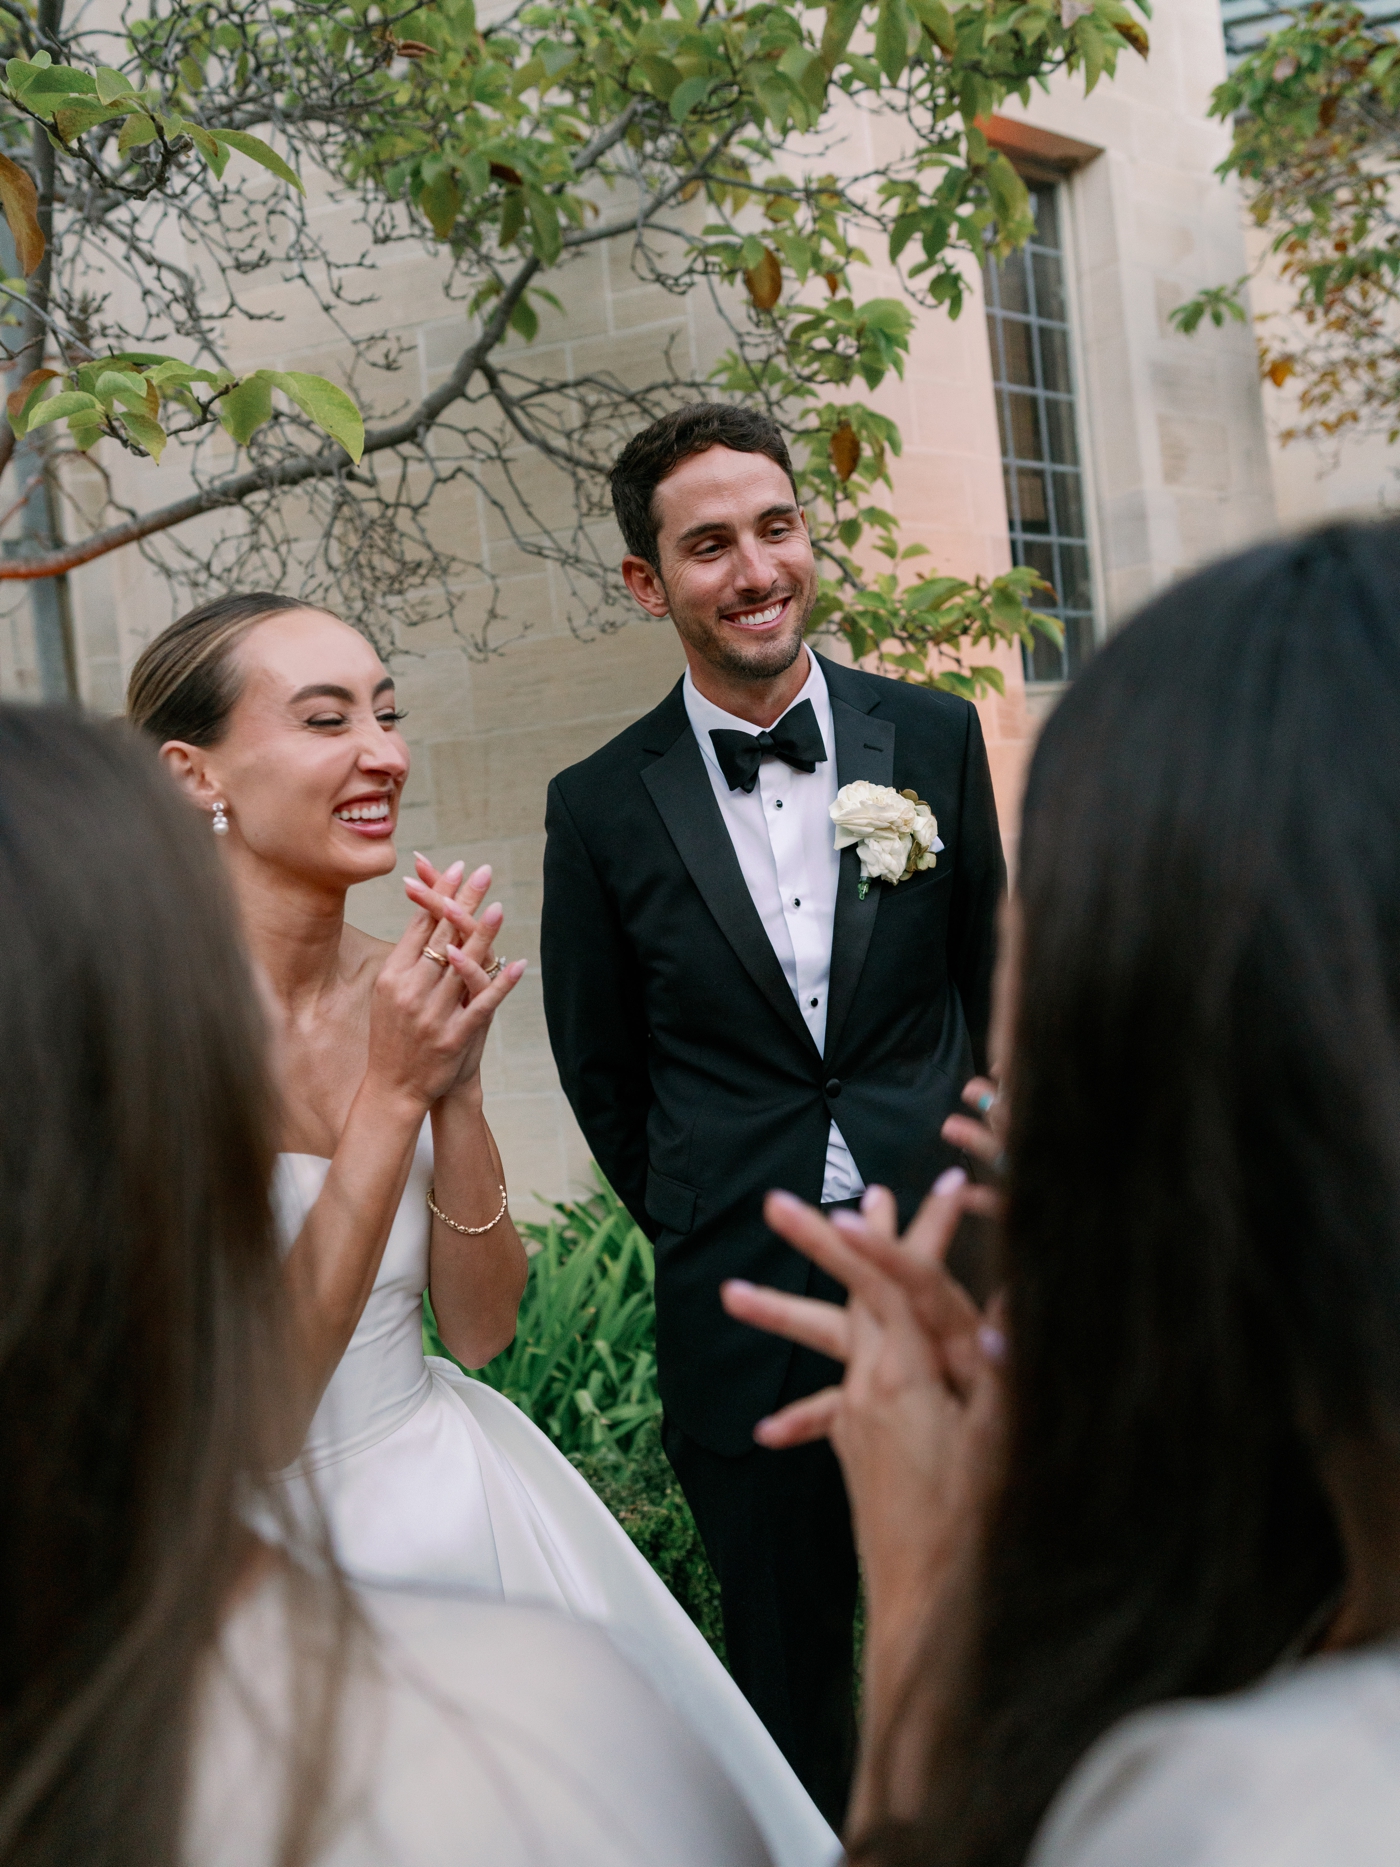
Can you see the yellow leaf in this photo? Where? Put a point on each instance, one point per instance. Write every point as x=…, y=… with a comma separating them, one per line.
x=765, y=280
x=20, y=200
x=17, y=398
x=844, y=448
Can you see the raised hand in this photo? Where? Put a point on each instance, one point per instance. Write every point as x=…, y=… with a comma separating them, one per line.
x=917, y=1424
x=433, y=1002
x=464, y=939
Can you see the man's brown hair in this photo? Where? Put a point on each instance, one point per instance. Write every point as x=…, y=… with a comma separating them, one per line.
x=658, y=450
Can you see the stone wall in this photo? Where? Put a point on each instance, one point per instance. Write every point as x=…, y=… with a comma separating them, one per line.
x=1177, y=459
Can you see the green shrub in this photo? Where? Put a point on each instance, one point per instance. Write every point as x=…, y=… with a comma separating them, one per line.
x=583, y=1367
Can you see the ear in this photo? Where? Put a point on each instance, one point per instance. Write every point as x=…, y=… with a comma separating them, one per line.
x=189, y=766
x=644, y=581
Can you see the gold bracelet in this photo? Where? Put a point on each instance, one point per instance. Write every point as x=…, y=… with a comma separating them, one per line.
x=471, y=1231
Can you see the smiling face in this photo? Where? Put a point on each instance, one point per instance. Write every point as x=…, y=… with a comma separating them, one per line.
x=312, y=763
x=737, y=576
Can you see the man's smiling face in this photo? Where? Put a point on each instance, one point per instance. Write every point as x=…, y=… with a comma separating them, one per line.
x=737, y=572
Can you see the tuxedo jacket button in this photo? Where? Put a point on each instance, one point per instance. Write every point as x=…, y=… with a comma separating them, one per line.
x=833, y=1087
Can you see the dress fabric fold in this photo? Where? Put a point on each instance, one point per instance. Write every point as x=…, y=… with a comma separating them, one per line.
x=426, y=1477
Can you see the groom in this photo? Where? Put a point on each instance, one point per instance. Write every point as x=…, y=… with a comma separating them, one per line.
x=730, y=1012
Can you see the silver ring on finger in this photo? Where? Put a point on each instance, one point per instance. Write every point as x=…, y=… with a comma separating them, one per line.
x=438, y=959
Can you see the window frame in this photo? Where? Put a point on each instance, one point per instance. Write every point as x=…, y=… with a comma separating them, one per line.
x=1042, y=158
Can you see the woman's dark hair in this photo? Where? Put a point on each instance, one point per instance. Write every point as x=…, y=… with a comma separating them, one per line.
x=184, y=684
x=1203, y=1232
x=140, y=1348
x=658, y=450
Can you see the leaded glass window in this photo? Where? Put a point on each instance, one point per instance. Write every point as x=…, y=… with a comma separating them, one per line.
x=1028, y=327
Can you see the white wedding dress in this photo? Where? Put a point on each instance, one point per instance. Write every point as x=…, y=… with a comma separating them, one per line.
x=426, y=1476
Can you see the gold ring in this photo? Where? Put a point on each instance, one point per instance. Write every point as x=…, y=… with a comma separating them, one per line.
x=439, y=959
x=491, y=971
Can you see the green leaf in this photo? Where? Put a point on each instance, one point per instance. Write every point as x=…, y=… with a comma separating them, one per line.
x=59, y=407
x=146, y=431
x=934, y=16
x=441, y=201
x=193, y=73
x=258, y=151
x=525, y=319
x=892, y=38
x=138, y=130
x=512, y=216
x=112, y=84
x=330, y=408
x=544, y=224
x=842, y=18
x=74, y=120
x=213, y=151
x=661, y=75
x=687, y=95
x=124, y=386
x=245, y=408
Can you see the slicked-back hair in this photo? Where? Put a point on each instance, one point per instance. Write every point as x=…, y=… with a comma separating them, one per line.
x=184, y=684
x=658, y=450
x=1202, y=1243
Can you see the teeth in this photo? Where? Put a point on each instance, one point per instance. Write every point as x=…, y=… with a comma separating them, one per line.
x=762, y=616
x=363, y=813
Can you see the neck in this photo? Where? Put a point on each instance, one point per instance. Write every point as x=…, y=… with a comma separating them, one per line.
x=293, y=927
x=759, y=702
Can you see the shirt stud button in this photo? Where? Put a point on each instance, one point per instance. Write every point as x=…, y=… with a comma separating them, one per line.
x=814, y=1004
x=778, y=804
x=795, y=902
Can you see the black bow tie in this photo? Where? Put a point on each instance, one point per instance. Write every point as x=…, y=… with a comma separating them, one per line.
x=796, y=739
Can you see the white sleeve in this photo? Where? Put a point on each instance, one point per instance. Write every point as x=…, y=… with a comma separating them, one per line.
x=1292, y=1779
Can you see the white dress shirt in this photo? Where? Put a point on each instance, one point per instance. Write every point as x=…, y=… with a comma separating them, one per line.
x=785, y=841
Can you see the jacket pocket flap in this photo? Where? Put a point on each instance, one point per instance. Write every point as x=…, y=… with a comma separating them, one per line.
x=670, y=1203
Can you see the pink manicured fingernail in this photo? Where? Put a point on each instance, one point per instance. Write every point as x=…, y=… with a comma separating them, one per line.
x=760, y=1431
x=868, y=1198
x=517, y=969
x=949, y=1181
x=480, y=877
x=736, y=1283
x=418, y=856
x=454, y=870
x=992, y=1342
x=494, y=913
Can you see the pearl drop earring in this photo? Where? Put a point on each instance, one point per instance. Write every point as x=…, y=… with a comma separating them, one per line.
x=220, y=819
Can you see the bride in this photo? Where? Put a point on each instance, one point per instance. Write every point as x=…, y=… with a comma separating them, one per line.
x=279, y=722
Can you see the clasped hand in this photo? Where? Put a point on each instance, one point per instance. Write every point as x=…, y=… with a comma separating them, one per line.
x=434, y=999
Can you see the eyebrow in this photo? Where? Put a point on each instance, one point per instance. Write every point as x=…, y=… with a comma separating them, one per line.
x=326, y=690
x=717, y=525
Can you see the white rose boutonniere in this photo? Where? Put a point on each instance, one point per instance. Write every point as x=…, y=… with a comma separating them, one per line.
x=895, y=832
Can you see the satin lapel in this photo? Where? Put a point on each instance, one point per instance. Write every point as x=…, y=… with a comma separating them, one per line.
x=864, y=749
x=680, y=789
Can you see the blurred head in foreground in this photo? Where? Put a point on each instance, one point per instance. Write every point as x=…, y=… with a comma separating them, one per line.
x=139, y=1335
x=1203, y=1234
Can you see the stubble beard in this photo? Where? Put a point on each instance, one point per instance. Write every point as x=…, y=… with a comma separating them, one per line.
x=763, y=661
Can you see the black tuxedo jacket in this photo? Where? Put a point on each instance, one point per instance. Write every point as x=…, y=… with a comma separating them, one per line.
x=681, y=1047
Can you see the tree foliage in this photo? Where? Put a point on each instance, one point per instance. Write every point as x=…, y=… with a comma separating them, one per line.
x=707, y=138
x=1316, y=145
